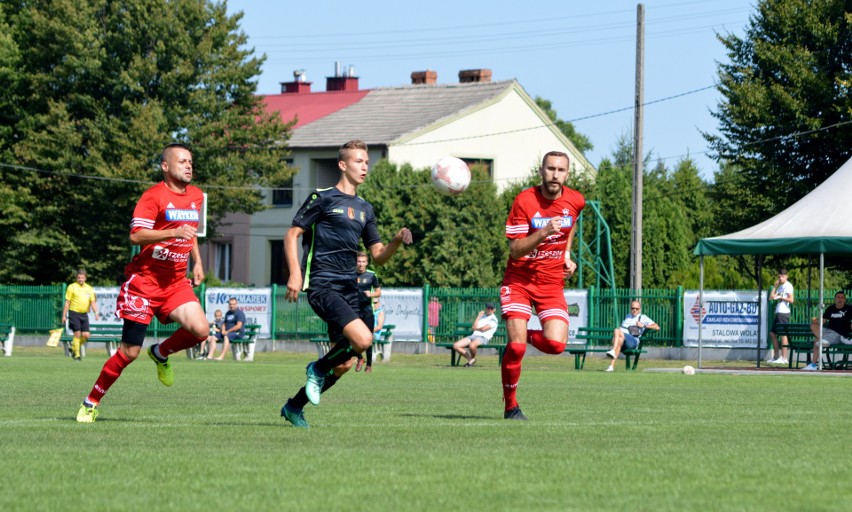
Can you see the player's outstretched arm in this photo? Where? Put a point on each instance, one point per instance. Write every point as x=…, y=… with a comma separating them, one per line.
x=291, y=255
x=382, y=253
x=197, y=267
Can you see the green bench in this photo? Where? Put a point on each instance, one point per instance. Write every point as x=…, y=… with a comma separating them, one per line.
x=243, y=349
x=383, y=344
x=800, y=342
x=599, y=339
x=108, y=334
x=463, y=329
x=7, y=338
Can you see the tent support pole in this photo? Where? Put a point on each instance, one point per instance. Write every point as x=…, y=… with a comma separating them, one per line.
x=700, y=305
x=759, y=264
x=821, y=305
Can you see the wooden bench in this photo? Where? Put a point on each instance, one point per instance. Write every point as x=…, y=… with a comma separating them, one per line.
x=463, y=330
x=599, y=339
x=243, y=349
x=800, y=342
x=7, y=338
x=108, y=334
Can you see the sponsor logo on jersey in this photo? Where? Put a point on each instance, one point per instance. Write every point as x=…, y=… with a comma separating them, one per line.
x=540, y=222
x=337, y=210
x=182, y=215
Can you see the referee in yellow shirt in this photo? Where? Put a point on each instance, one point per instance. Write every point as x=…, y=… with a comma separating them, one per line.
x=79, y=298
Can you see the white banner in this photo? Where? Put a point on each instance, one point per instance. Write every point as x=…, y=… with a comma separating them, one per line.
x=105, y=298
x=729, y=318
x=578, y=313
x=404, y=309
x=256, y=303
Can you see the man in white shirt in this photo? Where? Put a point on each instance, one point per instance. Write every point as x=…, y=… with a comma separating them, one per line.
x=483, y=330
x=627, y=335
x=783, y=293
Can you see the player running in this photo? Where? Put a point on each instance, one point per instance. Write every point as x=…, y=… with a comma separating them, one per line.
x=331, y=224
x=540, y=229
x=165, y=223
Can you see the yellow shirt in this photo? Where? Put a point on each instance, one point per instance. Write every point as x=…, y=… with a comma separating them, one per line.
x=80, y=297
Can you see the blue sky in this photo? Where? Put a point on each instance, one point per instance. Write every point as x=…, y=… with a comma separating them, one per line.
x=579, y=55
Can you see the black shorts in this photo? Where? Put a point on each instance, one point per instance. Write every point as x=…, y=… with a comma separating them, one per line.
x=780, y=318
x=78, y=322
x=336, y=302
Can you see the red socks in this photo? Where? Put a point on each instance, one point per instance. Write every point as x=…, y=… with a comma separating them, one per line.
x=109, y=374
x=511, y=372
x=180, y=340
x=537, y=339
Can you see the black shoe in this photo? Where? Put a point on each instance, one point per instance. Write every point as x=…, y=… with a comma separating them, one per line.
x=514, y=414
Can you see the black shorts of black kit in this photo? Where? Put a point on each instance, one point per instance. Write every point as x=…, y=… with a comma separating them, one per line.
x=78, y=322
x=336, y=302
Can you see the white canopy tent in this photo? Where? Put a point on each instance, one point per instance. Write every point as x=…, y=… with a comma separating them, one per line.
x=819, y=223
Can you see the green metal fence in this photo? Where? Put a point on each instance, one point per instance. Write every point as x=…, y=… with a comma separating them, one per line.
x=32, y=308
x=37, y=309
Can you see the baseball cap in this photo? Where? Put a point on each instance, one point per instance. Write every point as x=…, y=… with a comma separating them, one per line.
x=489, y=305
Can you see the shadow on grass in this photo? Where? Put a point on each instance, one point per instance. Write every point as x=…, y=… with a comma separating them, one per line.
x=449, y=416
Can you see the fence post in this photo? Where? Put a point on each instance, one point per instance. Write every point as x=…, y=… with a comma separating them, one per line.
x=679, y=317
x=424, y=328
x=592, y=302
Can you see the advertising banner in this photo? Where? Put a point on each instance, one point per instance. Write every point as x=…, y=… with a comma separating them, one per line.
x=404, y=309
x=256, y=303
x=730, y=318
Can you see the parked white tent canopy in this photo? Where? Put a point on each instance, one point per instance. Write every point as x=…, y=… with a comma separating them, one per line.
x=819, y=223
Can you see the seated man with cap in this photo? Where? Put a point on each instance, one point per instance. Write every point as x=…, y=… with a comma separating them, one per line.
x=483, y=329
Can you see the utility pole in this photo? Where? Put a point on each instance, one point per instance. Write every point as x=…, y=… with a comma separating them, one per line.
x=636, y=240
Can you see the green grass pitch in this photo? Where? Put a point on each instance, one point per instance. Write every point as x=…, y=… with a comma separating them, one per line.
x=419, y=435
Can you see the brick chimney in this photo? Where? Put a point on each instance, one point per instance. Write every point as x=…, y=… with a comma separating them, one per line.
x=299, y=85
x=467, y=76
x=427, y=77
x=346, y=81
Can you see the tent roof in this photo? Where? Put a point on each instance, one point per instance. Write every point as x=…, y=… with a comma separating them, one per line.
x=820, y=222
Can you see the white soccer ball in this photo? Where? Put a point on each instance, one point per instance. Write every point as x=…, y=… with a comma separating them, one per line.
x=688, y=370
x=450, y=176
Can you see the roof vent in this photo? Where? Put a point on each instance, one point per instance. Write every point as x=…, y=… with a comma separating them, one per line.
x=299, y=85
x=427, y=77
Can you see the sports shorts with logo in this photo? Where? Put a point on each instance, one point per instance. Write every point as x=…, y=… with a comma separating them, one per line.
x=518, y=297
x=141, y=298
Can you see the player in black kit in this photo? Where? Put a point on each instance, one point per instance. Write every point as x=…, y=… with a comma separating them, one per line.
x=331, y=223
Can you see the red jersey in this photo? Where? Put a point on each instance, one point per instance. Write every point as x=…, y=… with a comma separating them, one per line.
x=160, y=208
x=530, y=212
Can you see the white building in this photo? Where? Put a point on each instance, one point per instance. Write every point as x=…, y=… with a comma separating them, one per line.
x=492, y=123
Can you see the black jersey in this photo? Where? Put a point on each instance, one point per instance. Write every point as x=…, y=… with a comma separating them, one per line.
x=367, y=282
x=839, y=319
x=334, y=223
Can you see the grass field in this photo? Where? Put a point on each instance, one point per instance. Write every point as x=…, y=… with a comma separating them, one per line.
x=419, y=435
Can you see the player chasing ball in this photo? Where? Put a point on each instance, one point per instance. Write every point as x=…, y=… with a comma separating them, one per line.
x=331, y=223
x=165, y=223
x=540, y=229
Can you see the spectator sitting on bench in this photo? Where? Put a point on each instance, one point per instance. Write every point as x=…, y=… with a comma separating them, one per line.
x=837, y=323
x=627, y=335
x=235, y=321
x=208, y=347
x=483, y=329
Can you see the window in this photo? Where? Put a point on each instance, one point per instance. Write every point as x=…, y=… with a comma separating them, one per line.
x=282, y=196
x=486, y=164
x=277, y=266
x=328, y=173
x=224, y=261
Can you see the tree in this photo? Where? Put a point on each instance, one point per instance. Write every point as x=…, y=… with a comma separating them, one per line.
x=100, y=88
x=458, y=241
x=785, y=118
x=580, y=141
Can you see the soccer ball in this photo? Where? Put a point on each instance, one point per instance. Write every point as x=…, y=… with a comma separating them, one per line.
x=688, y=370
x=450, y=176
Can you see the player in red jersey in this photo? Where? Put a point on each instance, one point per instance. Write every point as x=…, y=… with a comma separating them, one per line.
x=540, y=229
x=165, y=223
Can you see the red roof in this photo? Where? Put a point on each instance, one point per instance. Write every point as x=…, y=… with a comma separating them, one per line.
x=311, y=106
